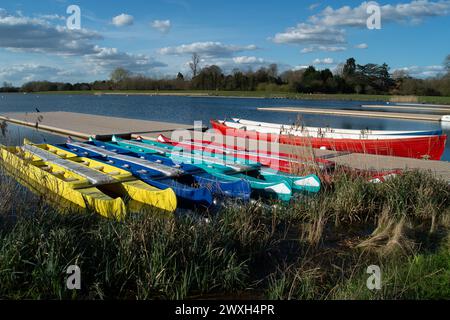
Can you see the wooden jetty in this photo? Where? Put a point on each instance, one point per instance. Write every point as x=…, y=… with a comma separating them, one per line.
x=356, y=113
x=84, y=126
x=359, y=161
x=422, y=104
x=445, y=110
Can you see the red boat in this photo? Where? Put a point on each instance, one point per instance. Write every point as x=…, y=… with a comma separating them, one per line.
x=423, y=147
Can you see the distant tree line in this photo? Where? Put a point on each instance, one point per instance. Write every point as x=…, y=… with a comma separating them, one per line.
x=8, y=87
x=349, y=77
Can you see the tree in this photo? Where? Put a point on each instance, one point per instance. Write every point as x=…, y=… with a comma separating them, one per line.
x=180, y=76
x=373, y=78
x=400, y=74
x=210, y=78
x=120, y=74
x=339, y=70
x=194, y=64
x=447, y=63
x=7, y=85
x=349, y=68
x=273, y=70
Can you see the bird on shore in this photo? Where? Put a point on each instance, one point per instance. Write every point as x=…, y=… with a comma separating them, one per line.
x=37, y=110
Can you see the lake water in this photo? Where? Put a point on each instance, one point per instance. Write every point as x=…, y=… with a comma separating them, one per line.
x=188, y=109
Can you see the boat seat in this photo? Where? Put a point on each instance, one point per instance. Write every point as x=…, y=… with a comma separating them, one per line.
x=93, y=176
x=161, y=150
x=200, y=158
x=166, y=170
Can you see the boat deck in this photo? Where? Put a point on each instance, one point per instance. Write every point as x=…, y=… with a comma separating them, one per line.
x=103, y=127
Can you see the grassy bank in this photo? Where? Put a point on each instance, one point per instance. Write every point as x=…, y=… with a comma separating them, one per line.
x=265, y=94
x=317, y=248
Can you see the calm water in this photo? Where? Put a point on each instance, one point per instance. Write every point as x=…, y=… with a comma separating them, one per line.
x=186, y=110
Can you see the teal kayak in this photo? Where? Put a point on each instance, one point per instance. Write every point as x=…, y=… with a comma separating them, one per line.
x=309, y=183
x=221, y=167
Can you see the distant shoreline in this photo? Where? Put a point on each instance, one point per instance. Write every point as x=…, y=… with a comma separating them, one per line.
x=443, y=100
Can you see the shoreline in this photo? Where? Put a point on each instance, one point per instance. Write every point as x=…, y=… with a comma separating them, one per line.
x=438, y=100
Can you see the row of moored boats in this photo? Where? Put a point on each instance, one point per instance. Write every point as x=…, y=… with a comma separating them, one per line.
x=111, y=177
x=105, y=176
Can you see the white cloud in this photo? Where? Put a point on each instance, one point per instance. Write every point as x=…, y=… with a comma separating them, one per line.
x=322, y=48
x=24, y=34
x=162, y=25
x=123, y=20
x=362, y=46
x=244, y=63
x=248, y=60
x=300, y=67
x=21, y=73
x=327, y=28
x=323, y=61
x=423, y=71
x=313, y=6
x=207, y=49
x=107, y=59
x=52, y=17
x=37, y=35
x=413, y=11
x=311, y=35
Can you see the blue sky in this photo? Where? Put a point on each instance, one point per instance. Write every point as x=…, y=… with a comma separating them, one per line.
x=158, y=37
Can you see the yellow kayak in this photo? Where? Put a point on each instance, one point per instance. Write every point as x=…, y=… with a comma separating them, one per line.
x=85, y=182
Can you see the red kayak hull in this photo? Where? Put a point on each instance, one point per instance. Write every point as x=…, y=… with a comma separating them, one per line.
x=429, y=147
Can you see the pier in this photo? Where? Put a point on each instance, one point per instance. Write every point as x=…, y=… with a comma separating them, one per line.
x=83, y=126
x=356, y=113
x=442, y=110
x=363, y=161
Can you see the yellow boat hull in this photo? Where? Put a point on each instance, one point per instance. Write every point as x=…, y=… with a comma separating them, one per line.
x=109, y=200
x=87, y=198
x=129, y=187
x=146, y=194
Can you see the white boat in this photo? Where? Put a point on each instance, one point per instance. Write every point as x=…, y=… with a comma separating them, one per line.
x=318, y=131
x=304, y=133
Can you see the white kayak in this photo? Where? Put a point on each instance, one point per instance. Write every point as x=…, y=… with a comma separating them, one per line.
x=315, y=131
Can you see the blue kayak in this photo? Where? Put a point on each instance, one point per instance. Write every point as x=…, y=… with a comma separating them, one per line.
x=190, y=183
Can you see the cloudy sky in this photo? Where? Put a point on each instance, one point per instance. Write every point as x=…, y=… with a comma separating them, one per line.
x=158, y=37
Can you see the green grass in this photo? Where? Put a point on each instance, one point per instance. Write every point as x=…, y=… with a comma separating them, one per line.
x=260, y=94
x=316, y=248
x=423, y=276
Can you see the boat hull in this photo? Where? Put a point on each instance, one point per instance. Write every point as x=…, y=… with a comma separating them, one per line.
x=124, y=185
x=286, y=163
x=310, y=183
x=90, y=198
x=260, y=187
x=430, y=147
x=207, y=184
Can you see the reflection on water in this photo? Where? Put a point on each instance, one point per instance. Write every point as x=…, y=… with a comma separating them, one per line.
x=186, y=110
x=15, y=134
